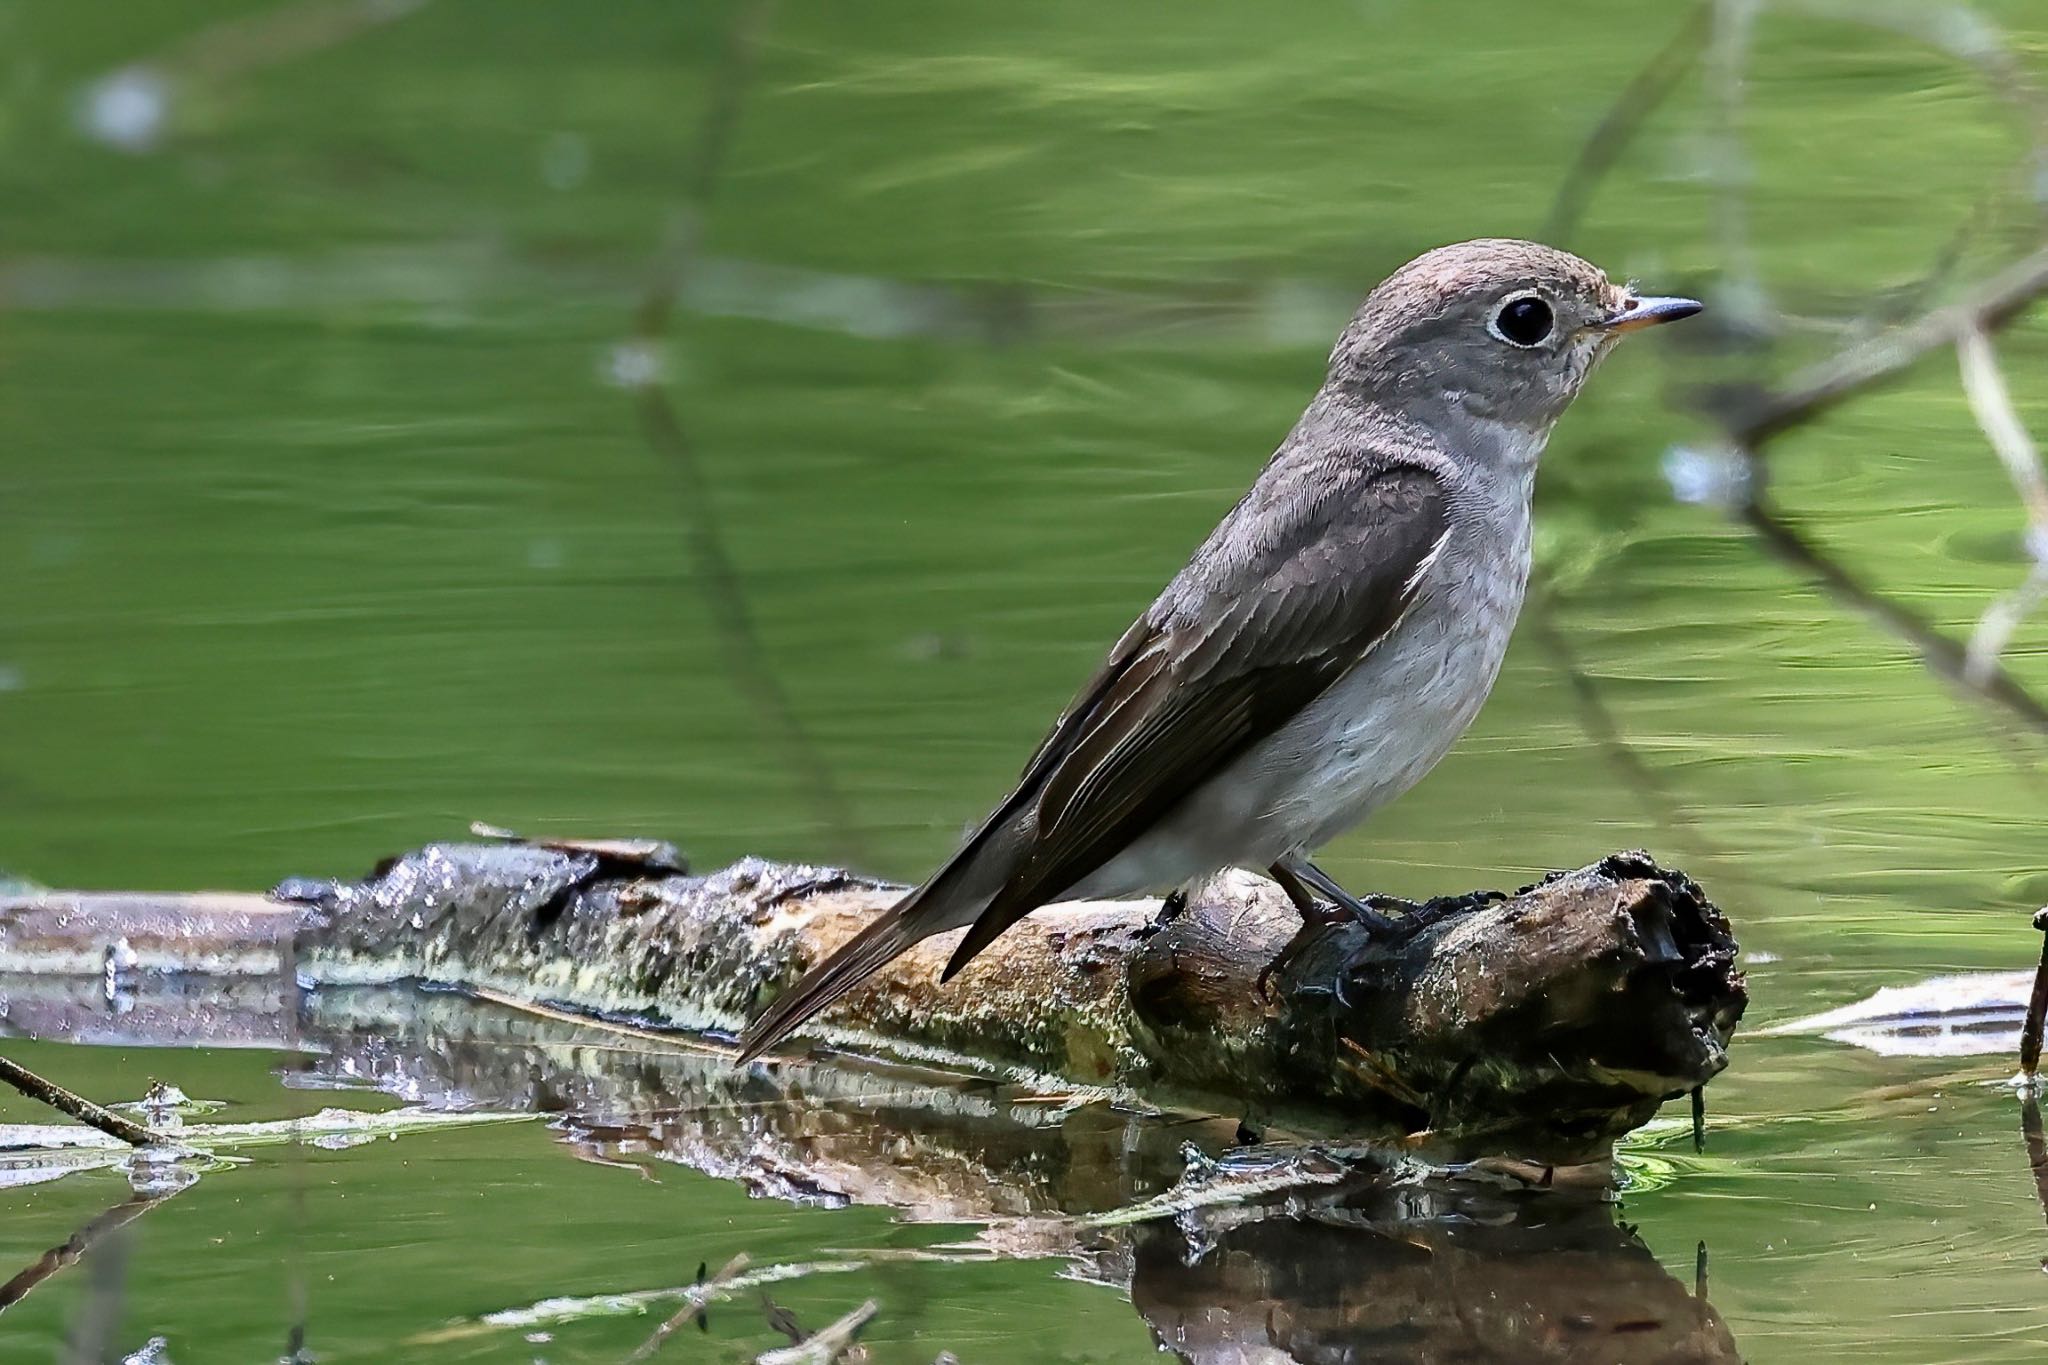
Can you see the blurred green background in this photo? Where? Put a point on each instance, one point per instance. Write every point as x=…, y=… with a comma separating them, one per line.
x=328, y=525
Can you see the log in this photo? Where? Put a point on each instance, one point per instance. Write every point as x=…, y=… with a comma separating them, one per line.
x=1540, y=1025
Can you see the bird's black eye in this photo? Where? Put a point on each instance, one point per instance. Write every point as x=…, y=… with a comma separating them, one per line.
x=1524, y=321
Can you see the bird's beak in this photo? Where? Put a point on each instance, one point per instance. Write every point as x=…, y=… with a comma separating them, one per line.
x=1641, y=313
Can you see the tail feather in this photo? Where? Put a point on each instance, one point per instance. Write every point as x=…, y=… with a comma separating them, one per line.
x=856, y=960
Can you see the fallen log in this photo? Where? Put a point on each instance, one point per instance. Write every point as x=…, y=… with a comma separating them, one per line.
x=1540, y=1025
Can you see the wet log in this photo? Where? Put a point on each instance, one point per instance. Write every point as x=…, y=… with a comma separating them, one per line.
x=1540, y=1025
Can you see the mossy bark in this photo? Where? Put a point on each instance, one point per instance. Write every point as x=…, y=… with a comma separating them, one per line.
x=1542, y=1024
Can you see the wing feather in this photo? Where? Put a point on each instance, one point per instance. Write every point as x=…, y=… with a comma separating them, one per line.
x=1236, y=647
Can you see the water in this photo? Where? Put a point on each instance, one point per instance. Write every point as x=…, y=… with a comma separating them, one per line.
x=326, y=527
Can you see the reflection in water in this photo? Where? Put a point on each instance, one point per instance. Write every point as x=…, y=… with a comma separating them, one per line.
x=2037, y=1152
x=1372, y=1267
x=1400, y=1274
x=72, y=1250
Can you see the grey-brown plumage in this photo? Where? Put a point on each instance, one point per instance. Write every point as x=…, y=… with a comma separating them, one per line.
x=1328, y=642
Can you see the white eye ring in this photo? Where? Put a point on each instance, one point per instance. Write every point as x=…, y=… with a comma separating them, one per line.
x=1549, y=316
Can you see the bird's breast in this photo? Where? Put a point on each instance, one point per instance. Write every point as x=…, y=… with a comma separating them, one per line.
x=1381, y=727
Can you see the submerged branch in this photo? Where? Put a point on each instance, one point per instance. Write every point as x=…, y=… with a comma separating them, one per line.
x=77, y=1106
x=72, y=1250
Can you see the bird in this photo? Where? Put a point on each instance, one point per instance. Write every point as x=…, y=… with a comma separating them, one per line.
x=1326, y=645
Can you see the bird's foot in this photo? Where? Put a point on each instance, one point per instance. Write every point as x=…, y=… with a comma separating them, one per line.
x=1408, y=918
x=1170, y=910
x=1321, y=901
x=1389, y=919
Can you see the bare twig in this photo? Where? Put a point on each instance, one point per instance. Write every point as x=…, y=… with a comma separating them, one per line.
x=97, y=1315
x=2037, y=1006
x=697, y=1299
x=77, y=1106
x=2037, y=1151
x=1995, y=628
x=831, y=1343
x=281, y=33
x=1942, y=656
x=1619, y=125
x=73, y=1249
x=1992, y=403
x=1753, y=422
x=1598, y=720
x=665, y=433
x=1732, y=22
x=1956, y=30
x=129, y=107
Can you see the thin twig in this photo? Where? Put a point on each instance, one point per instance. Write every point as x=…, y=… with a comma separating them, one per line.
x=1752, y=422
x=670, y=1040
x=73, y=1249
x=2037, y=1007
x=1991, y=401
x=698, y=1298
x=1942, y=656
x=1742, y=295
x=1619, y=125
x=826, y=1345
x=2037, y=1151
x=2000, y=621
x=665, y=433
x=77, y=1106
x=1598, y=720
x=97, y=1314
x=1956, y=30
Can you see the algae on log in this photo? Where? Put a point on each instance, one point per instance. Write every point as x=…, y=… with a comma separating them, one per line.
x=1541, y=1025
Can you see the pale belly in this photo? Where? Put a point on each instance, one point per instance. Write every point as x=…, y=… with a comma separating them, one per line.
x=1376, y=733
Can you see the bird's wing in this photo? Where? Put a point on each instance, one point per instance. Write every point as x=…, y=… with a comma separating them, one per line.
x=1262, y=621
x=1291, y=591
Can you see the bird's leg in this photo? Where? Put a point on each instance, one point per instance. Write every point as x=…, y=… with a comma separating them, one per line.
x=1301, y=880
x=1414, y=916
x=1312, y=910
x=1169, y=910
x=1307, y=877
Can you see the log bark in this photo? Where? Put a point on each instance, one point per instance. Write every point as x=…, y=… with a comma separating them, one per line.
x=1540, y=1025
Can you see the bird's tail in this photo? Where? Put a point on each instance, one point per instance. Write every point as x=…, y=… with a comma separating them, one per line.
x=860, y=957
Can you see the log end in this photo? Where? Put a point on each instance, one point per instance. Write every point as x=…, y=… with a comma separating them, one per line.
x=1542, y=1025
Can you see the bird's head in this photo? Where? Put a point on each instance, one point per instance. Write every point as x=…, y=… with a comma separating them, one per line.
x=1497, y=330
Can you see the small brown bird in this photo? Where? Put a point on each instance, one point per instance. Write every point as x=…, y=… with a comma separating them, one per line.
x=1325, y=646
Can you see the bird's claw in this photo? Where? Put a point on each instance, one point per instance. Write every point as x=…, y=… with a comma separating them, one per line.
x=1392, y=921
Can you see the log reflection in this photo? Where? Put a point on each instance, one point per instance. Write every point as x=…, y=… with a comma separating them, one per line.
x=1357, y=1268
x=1403, y=1275
x=1362, y=1270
